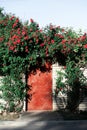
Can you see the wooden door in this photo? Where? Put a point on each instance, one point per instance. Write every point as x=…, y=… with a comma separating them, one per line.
x=41, y=90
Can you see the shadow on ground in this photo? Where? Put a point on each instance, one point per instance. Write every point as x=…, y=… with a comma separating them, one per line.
x=47, y=121
x=41, y=116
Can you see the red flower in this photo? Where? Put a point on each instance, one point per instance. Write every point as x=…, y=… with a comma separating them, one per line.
x=85, y=46
x=11, y=48
x=60, y=89
x=14, y=37
x=31, y=20
x=26, y=49
x=30, y=41
x=63, y=41
x=42, y=44
x=46, y=51
x=49, y=42
x=14, y=25
x=26, y=38
x=40, y=30
x=18, y=31
x=60, y=36
x=14, y=43
x=51, y=27
x=15, y=50
x=83, y=37
x=12, y=18
x=1, y=39
x=64, y=67
x=37, y=40
x=52, y=41
x=23, y=33
x=17, y=20
x=18, y=41
x=31, y=29
x=63, y=30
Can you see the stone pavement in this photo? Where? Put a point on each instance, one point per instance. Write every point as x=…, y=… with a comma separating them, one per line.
x=42, y=121
x=41, y=116
x=27, y=117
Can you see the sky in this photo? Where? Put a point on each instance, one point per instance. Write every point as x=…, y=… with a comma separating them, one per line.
x=64, y=13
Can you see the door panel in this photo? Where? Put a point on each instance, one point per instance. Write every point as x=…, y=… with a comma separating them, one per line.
x=41, y=91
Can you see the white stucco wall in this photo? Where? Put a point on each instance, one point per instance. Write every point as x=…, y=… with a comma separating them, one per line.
x=61, y=97
x=2, y=102
x=55, y=67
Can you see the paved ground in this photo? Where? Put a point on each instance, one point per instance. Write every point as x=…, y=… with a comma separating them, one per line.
x=41, y=116
x=42, y=121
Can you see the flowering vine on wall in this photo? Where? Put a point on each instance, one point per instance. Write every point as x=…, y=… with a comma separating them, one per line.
x=23, y=46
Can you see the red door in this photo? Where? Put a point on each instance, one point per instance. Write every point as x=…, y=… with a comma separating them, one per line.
x=41, y=90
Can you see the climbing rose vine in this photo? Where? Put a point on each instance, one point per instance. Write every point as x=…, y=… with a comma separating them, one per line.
x=27, y=47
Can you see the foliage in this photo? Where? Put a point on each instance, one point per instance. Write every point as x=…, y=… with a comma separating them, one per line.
x=74, y=83
x=12, y=92
x=60, y=82
x=25, y=47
